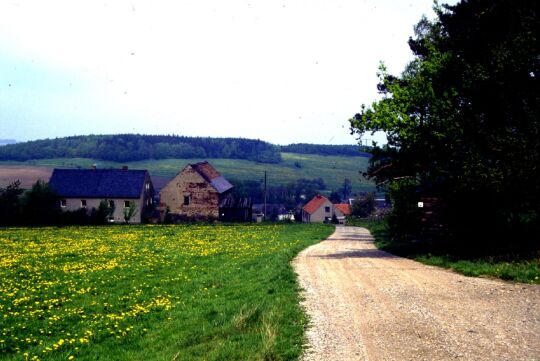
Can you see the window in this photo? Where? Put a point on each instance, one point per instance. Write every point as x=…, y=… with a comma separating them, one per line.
x=63, y=203
x=147, y=186
x=83, y=203
x=327, y=209
x=186, y=200
x=127, y=204
x=111, y=204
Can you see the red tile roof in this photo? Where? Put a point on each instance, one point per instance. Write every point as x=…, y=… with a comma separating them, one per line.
x=315, y=203
x=344, y=208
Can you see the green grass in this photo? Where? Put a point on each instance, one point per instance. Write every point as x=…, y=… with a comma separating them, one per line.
x=182, y=292
x=333, y=169
x=520, y=267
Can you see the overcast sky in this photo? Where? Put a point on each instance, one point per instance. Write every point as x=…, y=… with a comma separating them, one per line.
x=281, y=71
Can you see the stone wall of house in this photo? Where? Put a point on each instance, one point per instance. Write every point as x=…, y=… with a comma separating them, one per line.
x=203, y=199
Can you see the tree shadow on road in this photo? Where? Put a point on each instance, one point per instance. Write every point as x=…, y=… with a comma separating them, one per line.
x=359, y=253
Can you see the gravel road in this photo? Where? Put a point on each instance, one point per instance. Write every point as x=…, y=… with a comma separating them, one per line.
x=367, y=304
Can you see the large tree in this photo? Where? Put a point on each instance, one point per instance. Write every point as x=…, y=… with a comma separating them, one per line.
x=462, y=118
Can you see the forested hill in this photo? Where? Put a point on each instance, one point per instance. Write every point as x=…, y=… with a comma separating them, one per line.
x=326, y=149
x=135, y=147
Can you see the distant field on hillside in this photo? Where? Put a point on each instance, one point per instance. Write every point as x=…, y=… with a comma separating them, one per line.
x=333, y=169
x=26, y=175
x=182, y=292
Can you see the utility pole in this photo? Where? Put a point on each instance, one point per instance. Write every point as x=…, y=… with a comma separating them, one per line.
x=265, y=195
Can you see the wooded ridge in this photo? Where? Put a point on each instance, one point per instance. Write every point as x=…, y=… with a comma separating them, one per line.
x=134, y=147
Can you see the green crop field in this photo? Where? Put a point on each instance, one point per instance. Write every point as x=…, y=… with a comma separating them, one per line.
x=182, y=292
x=333, y=169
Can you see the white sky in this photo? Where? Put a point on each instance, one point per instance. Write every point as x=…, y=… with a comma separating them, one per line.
x=281, y=71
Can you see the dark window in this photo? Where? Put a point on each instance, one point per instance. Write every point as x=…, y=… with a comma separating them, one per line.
x=127, y=204
x=63, y=203
x=111, y=204
x=83, y=203
x=327, y=209
x=186, y=200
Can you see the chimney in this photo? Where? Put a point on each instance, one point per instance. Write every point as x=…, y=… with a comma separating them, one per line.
x=124, y=167
x=93, y=167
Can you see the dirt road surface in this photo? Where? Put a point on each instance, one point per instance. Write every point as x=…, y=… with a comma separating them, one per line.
x=367, y=304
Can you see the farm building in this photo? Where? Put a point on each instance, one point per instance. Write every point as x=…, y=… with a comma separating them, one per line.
x=199, y=191
x=235, y=209
x=320, y=209
x=121, y=188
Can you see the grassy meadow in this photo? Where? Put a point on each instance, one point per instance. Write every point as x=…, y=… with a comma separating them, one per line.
x=333, y=169
x=145, y=292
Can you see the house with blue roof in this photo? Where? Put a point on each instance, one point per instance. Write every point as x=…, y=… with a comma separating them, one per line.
x=120, y=188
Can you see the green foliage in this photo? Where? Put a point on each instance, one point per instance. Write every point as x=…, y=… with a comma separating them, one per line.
x=130, y=211
x=103, y=213
x=134, y=147
x=334, y=197
x=363, y=205
x=462, y=122
x=519, y=270
x=327, y=149
x=346, y=189
x=153, y=292
x=404, y=220
x=9, y=203
x=168, y=218
x=39, y=205
x=520, y=266
x=290, y=194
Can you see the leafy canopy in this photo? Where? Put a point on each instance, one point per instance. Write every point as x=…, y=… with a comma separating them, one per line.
x=462, y=119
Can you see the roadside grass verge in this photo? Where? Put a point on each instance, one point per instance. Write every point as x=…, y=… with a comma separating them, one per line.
x=144, y=292
x=512, y=266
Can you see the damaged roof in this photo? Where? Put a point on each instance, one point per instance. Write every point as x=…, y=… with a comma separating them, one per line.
x=211, y=175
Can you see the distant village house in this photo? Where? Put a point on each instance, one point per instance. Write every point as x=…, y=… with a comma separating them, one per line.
x=120, y=188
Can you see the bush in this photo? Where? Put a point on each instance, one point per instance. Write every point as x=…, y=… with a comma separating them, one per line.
x=9, y=203
x=40, y=205
x=364, y=206
x=404, y=219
